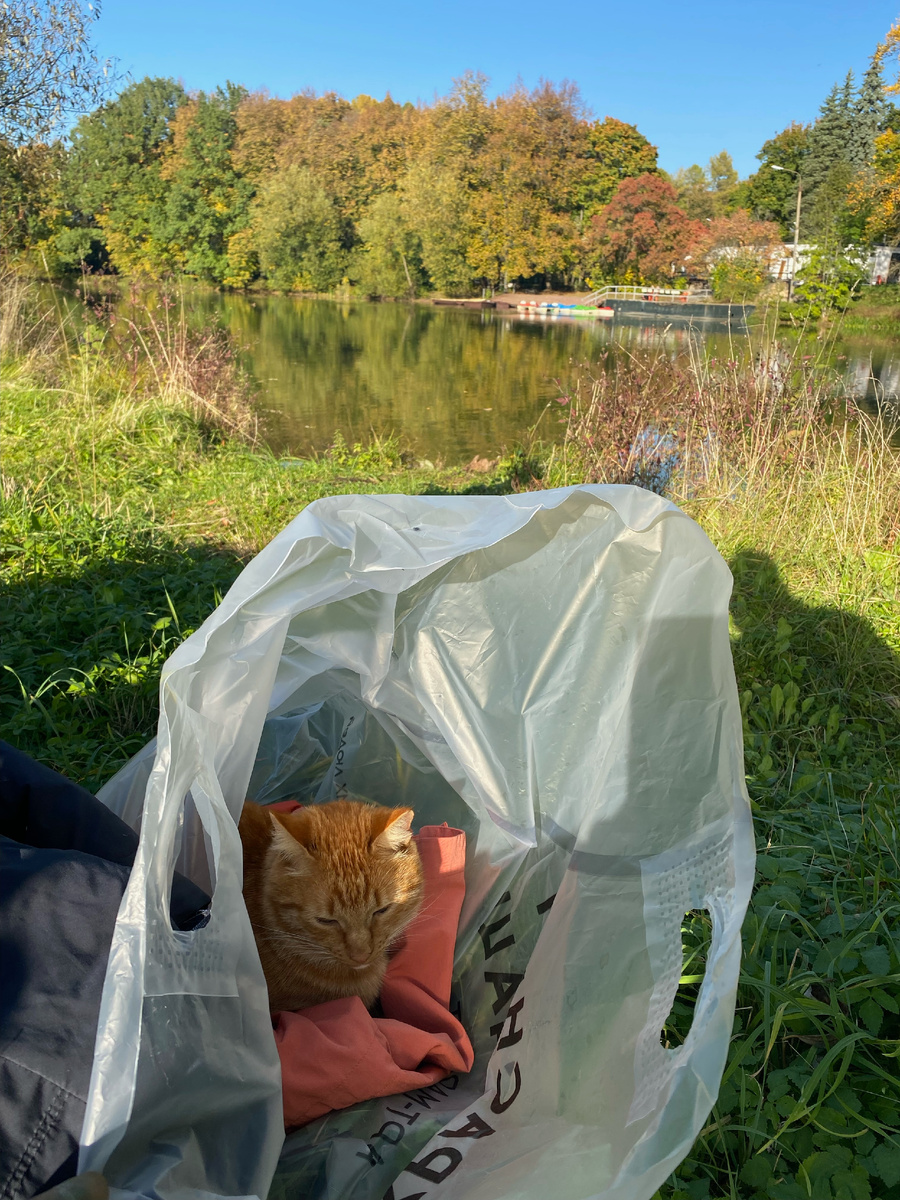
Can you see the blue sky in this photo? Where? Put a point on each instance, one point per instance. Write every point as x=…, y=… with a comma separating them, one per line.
x=696, y=77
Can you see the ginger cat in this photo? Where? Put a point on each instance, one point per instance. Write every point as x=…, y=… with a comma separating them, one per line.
x=328, y=889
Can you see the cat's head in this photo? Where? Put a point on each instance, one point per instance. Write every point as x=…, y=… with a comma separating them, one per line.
x=342, y=881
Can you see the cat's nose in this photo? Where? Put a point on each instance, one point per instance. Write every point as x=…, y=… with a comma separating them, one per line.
x=358, y=954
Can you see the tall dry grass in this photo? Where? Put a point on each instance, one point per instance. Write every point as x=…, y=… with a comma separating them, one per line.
x=102, y=351
x=30, y=330
x=764, y=451
x=142, y=351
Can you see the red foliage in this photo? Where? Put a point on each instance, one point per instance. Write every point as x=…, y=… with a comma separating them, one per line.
x=641, y=233
x=736, y=232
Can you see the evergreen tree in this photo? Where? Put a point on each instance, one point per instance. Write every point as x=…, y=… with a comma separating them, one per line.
x=829, y=138
x=868, y=116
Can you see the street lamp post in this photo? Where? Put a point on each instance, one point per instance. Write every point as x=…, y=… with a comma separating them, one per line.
x=799, y=179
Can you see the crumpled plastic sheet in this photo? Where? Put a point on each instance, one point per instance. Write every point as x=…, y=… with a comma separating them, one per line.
x=549, y=671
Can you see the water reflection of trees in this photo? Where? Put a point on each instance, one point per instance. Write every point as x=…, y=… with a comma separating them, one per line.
x=460, y=383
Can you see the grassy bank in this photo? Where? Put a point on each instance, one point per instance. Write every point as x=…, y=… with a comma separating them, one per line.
x=130, y=502
x=875, y=312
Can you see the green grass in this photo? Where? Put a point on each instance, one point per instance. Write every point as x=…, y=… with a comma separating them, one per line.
x=123, y=525
x=872, y=312
x=126, y=516
x=811, y=1094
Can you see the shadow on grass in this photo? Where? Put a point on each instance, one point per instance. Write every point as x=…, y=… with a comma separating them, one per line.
x=838, y=651
x=93, y=608
x=84, y=632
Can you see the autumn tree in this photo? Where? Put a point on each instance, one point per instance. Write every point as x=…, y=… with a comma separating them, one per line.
x=612, y=151
x=527, y=181
x=641, y=235
x=875, y=194
x=263, y=125
x=32, y=205
x=114, y=179
x=356, y=149
x=734, y=252
x=453, y=133
x=875, y=197
x=480, y=191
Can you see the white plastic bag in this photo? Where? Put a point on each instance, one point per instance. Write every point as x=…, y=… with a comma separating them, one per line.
x=549, y=671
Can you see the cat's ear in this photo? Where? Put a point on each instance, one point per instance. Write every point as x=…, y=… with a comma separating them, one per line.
x=397, y=833
x=289, y=846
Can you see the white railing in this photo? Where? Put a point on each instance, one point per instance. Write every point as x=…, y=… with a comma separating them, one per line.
x=630, y=292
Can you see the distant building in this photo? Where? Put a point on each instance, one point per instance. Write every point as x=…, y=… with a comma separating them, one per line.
x=884, y=264
x=881, y=264
x=781, y=264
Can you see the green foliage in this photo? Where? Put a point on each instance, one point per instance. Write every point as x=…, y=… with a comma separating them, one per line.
x=827, y=280
x=772, y=194
x=436, y=210
x=114, y=184
x=297, y=233
x=827, y=218
x=207, y=200
x=122, y=527
x=695, y=198
x=707, y=193
x=809, y=1099
x=870, y=116
x=390, y=259
x=739, y=277
x=95, y=605
x=831, y=137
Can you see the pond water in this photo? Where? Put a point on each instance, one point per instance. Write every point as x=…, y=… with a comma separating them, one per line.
x=455, y=383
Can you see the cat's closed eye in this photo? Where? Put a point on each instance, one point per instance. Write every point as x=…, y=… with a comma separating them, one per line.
x=343, y=857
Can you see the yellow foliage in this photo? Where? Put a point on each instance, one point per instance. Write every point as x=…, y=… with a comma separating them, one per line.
x=243, y=261
x=889, y=47
x=877, y=193
x=137, y=254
